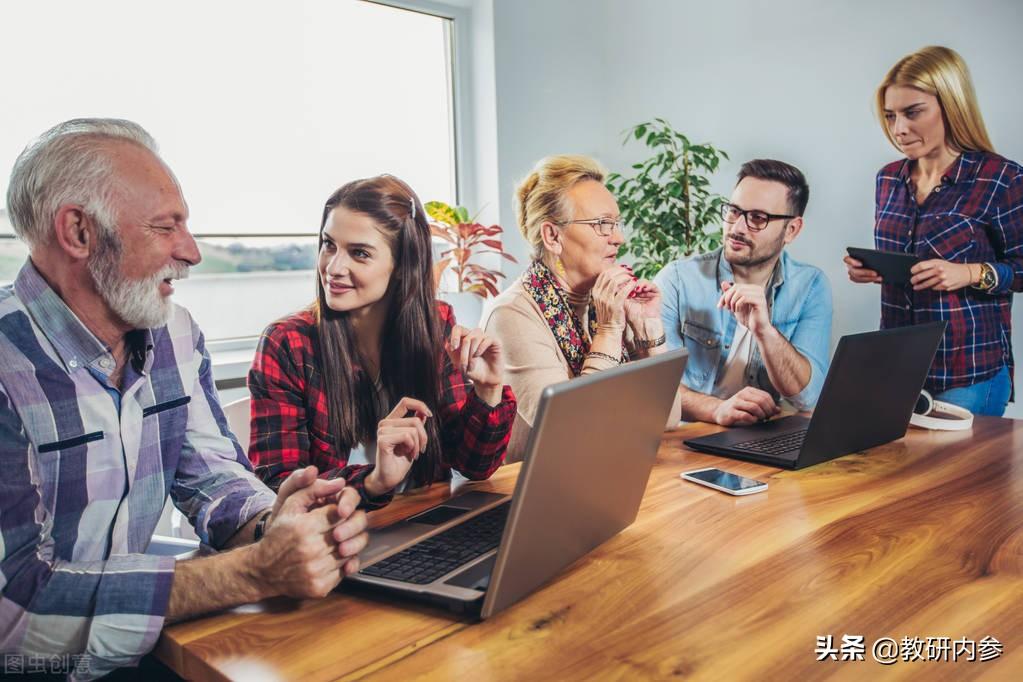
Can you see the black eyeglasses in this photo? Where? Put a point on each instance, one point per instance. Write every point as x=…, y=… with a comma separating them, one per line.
x=602, y=226
x=755, y=220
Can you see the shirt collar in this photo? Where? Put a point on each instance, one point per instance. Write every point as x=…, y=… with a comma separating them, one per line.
x=780, y=268
x=724, y=268
x=962, y=169
x=957, y=171
x=75, y=344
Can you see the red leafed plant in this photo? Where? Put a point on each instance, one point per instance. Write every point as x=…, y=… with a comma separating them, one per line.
x=467, y=238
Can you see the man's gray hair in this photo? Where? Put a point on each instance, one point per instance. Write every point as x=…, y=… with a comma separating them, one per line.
x=68, y=164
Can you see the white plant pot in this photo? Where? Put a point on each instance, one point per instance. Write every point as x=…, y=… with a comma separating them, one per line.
x=468, y=307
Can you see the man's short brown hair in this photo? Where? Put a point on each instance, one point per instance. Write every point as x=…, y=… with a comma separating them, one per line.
x=786, y=174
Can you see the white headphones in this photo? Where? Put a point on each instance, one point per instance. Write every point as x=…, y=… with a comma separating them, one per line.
x=938, y=416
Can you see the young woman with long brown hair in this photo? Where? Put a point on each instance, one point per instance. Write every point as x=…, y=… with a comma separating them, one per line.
x=375, y=382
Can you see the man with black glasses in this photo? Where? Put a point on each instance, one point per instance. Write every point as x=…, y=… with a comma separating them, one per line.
x=756, y=323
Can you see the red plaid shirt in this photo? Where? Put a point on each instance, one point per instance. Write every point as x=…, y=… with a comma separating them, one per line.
x=974, y=216
x=291, y=430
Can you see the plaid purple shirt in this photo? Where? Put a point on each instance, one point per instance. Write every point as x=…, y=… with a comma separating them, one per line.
x=84, y=482
x=974, y=216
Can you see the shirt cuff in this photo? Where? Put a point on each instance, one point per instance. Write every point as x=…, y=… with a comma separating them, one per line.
x=356, y=478
x=226, y=515
x=1005, y=274
x=479, y=405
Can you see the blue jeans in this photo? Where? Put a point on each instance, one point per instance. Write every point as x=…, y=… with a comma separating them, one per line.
x=987, y=397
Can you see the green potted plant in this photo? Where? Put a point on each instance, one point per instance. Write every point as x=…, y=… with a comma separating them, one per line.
x=467, y=239
x=667, y=204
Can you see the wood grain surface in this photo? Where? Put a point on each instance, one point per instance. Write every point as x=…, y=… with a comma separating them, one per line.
x=920, y=538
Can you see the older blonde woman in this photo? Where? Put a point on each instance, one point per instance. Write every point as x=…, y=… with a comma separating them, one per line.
x=958, y=206
x=575, y=310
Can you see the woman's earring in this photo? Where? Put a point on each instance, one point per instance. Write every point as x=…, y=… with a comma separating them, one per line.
x=559, y=267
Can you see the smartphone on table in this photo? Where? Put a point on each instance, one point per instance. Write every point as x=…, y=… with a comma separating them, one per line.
x=725, y=481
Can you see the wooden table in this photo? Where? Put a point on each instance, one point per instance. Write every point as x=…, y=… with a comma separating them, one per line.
x=922, y=538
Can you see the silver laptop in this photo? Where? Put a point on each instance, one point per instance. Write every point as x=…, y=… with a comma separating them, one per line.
x=585, y=470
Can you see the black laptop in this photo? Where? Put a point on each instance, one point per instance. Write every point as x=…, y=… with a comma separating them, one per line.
x=867, y=400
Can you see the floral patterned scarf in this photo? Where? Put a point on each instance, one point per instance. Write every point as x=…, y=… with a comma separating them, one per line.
x=567, y=328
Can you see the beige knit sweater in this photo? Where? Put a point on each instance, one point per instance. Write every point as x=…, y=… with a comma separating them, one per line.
x=533, y=360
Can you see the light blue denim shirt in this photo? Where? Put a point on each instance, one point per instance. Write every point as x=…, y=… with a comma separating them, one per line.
x=798, y=295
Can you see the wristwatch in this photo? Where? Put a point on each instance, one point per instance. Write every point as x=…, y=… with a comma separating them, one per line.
x=988, y=277
x=260, y=530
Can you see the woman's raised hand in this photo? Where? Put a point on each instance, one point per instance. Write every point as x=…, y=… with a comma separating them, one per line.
x=400, y=440
x=610, y=292
x=481, y=359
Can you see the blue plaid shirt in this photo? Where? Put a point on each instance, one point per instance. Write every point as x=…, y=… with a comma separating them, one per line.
x=974, y=216
x=84, y=479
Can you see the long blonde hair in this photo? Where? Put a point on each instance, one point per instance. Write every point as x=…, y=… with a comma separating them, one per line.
x=941, y=72
x=541, y=195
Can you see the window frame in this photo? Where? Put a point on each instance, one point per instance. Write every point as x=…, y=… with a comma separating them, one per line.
x=463, y=122
x=232, y=357
x=227, y=353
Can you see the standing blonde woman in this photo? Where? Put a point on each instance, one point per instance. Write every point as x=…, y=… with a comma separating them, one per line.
x=958, y=206
x=575, y=310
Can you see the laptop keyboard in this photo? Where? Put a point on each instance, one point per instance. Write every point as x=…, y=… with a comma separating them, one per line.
x=431, y=558
x=775, y=445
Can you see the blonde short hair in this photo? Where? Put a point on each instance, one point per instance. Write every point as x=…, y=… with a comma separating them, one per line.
x=941, y=72
x=541, y=195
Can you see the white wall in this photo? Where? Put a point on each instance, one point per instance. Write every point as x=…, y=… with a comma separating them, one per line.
x=791, y=79
x=550, y=71
x=481, y=137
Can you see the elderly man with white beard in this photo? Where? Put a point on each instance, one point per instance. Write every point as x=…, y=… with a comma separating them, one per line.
x=107, y=406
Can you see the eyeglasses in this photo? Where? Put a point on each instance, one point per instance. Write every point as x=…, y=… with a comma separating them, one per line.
x=755, y=220
x=602, y=226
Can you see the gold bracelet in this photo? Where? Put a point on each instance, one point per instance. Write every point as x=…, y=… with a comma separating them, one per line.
x=647, y=344
x=605, y=356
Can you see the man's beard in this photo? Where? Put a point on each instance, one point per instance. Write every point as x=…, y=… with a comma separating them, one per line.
x=755, y=256
x=137, y=302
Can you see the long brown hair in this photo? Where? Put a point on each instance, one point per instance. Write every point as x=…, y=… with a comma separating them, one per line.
x=412, y=340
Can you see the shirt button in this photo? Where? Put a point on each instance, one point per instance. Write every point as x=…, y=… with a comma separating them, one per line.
x=72, y=363
x=104, y=363
x=909, y=307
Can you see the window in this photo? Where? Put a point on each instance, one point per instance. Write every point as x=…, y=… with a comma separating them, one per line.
x=262, y=109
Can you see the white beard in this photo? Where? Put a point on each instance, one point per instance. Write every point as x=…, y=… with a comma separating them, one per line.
x=138, y=302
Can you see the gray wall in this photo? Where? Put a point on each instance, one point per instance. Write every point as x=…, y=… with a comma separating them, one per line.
x=791, y=79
